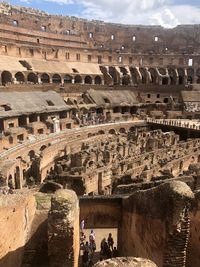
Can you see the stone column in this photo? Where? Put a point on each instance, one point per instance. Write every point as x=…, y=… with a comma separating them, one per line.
x=63, y=229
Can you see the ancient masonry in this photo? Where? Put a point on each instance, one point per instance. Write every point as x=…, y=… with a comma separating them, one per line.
x=98, y=121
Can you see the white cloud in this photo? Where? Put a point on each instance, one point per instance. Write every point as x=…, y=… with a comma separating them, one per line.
x=158, y=12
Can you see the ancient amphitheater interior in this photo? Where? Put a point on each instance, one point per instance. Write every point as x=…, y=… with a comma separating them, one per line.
x=99, y=130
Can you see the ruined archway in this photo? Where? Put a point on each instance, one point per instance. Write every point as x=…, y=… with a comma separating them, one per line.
x=97, y=80
x=67, y=79
x=78, y=79
x=19, y=76
x=56, y=79
x=45, y=78
x=88, y=79
x=17, y=178
x=153, y=75
x=32, y=78
x=6, y=77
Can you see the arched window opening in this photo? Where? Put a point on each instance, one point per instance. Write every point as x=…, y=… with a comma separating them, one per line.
x=32, y=78
x=88, y=80
x=97, y=80
x=78, y=79
x=45, y=78
x=19, y=76
x=56, y=79
x=67, y=79
x=6, y=77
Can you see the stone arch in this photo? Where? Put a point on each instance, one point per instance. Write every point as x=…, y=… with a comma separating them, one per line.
x=181, y=76
x=6, y=77
x=126, y=80
x=134, y=75
x=17, y=178
x=122, y=130
x=190, y=75
x=67, y=78
x=88, y=79
x=132, y=129
x=45, y=78
x=78, y=79
x=165, y=80
x=153, y=75
x=115, y=75
x=97, y=80
x=172, y=76
x=43, y=147
x=112, y=131
x=144, y=75
x=31, y=154
x=56, y=78
x=10, y=182
x=19, y=76
x=32, y=77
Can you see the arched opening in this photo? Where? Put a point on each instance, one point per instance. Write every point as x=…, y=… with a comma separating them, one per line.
x=67, y=79
x=43, y=148
x=166, y=100
x=165, y=81
x=19, y=76
x=6, y=77
x=10, y=182
x=97, y=80
x=115, y=75
x=112, y=131
x=122, y=130
x=101, y=132
x=126, y=80
x=189, y=79
x=134, y=75
x=144, y=75
x=181, y=75
x=78, y=79
x=88, y=80
x=56, y=79
x=172, y=76
x=153, y=76
x=190, y=75
x=132, y=129
x=32, y=77
x=45, y=78
x=31, y=155
x=17, y=178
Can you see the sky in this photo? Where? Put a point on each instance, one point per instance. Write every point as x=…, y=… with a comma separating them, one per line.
x=167, y=13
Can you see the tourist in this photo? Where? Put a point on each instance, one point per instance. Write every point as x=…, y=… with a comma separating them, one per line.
x=92, y=237
x=82, y=225
x=85, y=259
x=82, y=239
x=115, y=252
x=110, y=241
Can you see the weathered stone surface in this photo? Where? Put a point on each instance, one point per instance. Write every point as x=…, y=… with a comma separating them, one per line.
x=63, y=229
x=126, y=262
x=16, y=215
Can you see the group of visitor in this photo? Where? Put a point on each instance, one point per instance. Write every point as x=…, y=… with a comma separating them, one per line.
x=88, y=247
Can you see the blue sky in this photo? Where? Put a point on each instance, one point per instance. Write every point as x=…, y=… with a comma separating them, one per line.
x=167, y=13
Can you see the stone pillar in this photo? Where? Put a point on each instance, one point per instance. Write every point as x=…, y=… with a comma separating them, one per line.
x=63, y=229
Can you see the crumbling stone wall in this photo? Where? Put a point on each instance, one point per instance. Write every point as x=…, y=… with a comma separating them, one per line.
x=158, y=222
x=16, y=215
x=63, y=230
